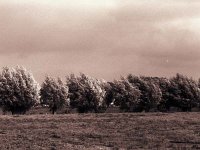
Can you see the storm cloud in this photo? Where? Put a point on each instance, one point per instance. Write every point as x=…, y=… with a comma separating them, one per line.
x=103, y=38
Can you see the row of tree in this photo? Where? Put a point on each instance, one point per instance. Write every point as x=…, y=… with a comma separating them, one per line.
x=19, y=92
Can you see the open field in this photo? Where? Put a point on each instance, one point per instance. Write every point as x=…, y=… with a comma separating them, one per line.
x=101, y=131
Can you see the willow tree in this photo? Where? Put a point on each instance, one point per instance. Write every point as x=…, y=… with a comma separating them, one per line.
x=125, y=95
x=86, y=93
x=18, y=90
x=184, y=92
x=151, y=94
x=54, y=94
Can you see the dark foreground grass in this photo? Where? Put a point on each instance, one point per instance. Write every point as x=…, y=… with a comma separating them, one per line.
x=101, y=131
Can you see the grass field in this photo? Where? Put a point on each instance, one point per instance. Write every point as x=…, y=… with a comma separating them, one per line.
x=101, y=131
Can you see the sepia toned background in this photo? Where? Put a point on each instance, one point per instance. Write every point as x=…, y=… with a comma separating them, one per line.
x=102, y=38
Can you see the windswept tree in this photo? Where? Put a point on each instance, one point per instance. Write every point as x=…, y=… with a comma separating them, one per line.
x=109, y=93
x=125, y=95
x=165, y=86
x=150, y=92
x=54, y=94
x=162, y=85
x=18, y=90
x=184, y=92
x=86, y=93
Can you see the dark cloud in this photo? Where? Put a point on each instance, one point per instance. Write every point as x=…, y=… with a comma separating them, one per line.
x=102, y=38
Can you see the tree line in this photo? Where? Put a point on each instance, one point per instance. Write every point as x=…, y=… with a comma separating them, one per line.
x=19, y=92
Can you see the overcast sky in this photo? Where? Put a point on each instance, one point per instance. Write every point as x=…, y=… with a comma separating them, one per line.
x=102, y=38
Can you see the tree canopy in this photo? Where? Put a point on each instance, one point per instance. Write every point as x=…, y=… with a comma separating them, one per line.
x=18, y=90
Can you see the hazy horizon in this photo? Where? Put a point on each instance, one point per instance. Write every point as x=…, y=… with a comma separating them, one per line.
x=103, y=38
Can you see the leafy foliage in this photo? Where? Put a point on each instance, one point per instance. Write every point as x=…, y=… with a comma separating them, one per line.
x=164, y=85
x=54, y=94
x=184, y=93
x=18, y=90
x=86, y=93
x=125, y=95
x=150, y=92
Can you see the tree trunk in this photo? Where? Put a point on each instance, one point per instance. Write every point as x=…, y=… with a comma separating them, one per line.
x=53, y=111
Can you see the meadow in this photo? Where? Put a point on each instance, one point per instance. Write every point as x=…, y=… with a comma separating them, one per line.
x=101, y=131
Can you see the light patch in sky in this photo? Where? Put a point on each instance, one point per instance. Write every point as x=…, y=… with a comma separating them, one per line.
x=90, y=4
x=192, y=24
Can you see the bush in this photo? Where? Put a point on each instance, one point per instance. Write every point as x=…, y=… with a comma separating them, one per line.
x=18, y=90
x=54, y=94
